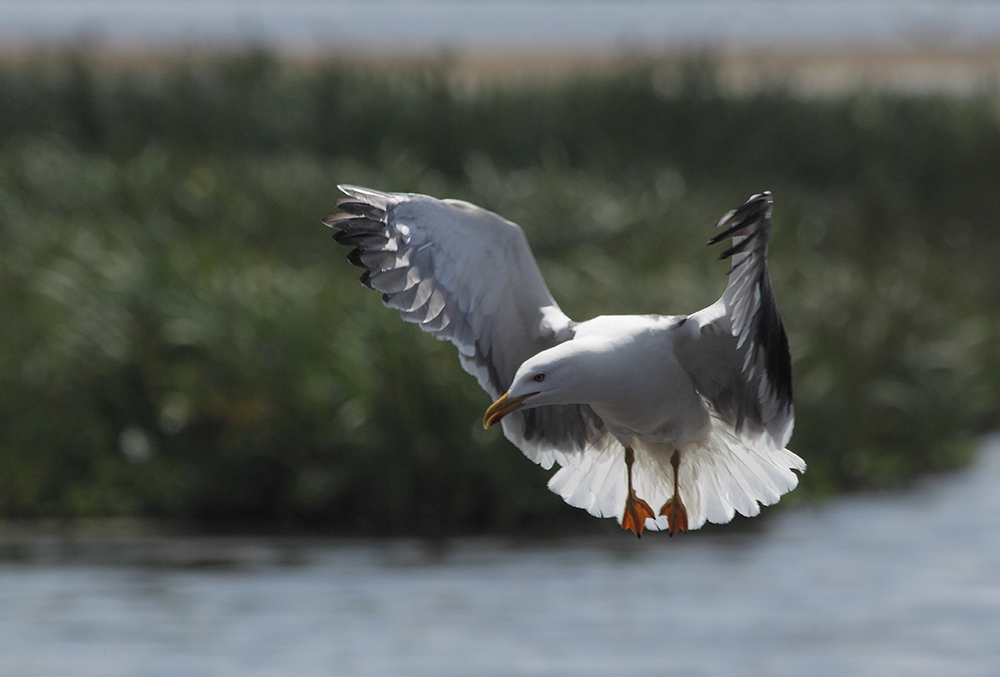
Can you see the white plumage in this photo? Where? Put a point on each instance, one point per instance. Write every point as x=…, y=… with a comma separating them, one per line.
x=663, y=422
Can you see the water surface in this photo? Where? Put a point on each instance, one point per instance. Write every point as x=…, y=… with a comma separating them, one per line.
x=879, y=585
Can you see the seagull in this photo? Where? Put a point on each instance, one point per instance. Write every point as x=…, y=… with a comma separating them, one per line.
x=663, y=422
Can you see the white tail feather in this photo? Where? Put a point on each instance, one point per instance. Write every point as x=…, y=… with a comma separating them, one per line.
x=726, y=473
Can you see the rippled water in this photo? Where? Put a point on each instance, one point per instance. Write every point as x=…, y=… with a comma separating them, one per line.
x=888, y=585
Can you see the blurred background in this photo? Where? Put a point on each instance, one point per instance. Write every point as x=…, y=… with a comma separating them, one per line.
x=219, y=454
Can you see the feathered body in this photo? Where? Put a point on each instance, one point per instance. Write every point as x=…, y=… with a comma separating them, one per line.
x=689, y=412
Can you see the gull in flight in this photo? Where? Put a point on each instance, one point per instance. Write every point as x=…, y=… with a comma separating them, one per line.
x=663, y=422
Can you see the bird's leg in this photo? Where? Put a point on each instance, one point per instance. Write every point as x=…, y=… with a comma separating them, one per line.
x=677, y=517
x=636, y=509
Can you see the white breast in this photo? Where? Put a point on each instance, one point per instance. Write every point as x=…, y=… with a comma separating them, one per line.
x=644, y=392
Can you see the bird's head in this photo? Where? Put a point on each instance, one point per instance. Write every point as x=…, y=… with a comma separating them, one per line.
x=546, y=378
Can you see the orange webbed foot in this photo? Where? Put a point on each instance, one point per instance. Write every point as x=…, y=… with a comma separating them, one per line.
x=677, y=516
x=636, y=513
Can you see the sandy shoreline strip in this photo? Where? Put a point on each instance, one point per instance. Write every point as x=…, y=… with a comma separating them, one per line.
x=917, y=71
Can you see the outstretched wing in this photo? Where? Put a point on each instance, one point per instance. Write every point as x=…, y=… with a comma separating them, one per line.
x=738, y=357
x=467, y=275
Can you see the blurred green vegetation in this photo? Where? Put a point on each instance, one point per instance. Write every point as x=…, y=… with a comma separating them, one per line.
x=182, y=339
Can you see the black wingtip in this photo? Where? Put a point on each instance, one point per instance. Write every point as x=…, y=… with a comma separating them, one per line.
x=356, y=207
x=332, y=220
x=351, y=212
x=743, y=222
x=354, y=258
x=742, y=246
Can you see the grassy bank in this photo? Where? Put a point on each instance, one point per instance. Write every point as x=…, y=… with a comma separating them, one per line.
x=183, y=340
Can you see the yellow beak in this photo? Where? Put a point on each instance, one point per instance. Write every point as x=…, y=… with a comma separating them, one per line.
x=502, y=407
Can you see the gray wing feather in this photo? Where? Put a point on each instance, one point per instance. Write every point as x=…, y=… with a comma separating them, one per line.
x=737, y=353
x=467, y=275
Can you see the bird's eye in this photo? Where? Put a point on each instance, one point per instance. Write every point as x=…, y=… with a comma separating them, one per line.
x=539, y=378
